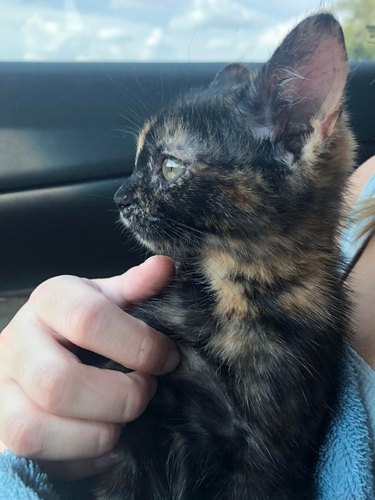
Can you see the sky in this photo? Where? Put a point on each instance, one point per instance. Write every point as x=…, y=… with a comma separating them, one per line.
x=145, y=30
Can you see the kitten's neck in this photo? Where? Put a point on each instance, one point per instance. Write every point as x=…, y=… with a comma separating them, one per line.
x=259, y=302
x=252, y=282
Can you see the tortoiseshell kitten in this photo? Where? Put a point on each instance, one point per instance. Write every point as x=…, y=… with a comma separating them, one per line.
x=241, y=183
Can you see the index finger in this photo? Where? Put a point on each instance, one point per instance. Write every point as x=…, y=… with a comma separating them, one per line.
x=82, y=314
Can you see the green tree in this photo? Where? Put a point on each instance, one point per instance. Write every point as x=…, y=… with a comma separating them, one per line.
x=359, y=27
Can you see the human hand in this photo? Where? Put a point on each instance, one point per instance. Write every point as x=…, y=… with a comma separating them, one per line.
x=55, y=409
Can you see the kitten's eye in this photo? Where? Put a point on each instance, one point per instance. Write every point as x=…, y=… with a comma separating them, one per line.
x=172, y=168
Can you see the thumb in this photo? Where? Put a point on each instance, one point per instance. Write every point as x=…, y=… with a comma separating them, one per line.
x=138, y=283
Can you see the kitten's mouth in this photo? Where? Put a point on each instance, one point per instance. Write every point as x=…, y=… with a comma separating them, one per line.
x=158, y=238
x=124, y=220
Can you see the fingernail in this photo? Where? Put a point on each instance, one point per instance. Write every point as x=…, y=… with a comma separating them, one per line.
x=172, y=361
x=107, y=460
x=156, y=257
x=153, y=257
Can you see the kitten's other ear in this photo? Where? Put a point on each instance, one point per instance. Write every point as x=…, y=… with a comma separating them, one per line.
x=308, y=73
x=231, y=75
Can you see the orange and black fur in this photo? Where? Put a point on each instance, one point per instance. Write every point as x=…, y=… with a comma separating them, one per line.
x=241, y=183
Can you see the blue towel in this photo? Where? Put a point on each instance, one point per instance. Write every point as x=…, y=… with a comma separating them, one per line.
x=345, y=468
x=21, y=479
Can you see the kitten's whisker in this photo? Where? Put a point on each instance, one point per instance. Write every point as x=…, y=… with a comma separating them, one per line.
x=131, y=133
x=138, y=119
x=126, y=91
x=131, y=121
x=182, y=225
x=127, y=127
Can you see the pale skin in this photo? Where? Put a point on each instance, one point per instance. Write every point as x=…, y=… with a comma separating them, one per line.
x=361, y=279
x=67, y=415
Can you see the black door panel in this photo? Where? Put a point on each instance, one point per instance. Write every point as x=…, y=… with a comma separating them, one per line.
x=64, y=229
x=361, y=106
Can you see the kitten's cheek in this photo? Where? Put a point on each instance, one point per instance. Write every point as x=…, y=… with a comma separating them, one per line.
x=124, y=220
x=128, y=216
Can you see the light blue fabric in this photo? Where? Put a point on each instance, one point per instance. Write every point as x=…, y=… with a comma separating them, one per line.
x=366, y=376
x=345, y=468
x=21, y=479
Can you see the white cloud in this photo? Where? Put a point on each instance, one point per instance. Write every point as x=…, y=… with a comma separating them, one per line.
x=51, y=34
x=192, y=30
x=228, y=30
x=151, y=44
x=111, y=33
x=270, y=38
x=223, y=13
x=155, y=37
x=125, y=4
x=52, y=28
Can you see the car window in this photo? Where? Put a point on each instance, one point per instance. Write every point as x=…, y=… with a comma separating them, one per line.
x=166, y=30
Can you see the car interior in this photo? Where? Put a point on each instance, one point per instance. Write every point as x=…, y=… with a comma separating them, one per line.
x=67, y=142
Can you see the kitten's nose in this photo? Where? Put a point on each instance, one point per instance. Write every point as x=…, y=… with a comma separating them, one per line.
x=123, y=198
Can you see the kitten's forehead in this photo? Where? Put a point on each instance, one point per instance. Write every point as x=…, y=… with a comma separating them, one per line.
x=177, y=139
x=142, y=137
x=170, y=136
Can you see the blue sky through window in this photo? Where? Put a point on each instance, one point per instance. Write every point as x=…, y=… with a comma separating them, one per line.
x=145, y=30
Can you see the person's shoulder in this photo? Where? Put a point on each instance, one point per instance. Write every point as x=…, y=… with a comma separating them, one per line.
x=359, y=179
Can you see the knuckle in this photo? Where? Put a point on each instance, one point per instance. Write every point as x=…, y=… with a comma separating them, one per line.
x=4, y=346
x=136, y=400
x=39, y=292
x=50, y=383
x=107, y=438
x=22, y=435
x=83, y=318
x=148, y=354
x=45, y=288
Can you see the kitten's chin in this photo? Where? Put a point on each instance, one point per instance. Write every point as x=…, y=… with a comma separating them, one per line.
x=154, y=241
x=150, y=245
x=165, y=248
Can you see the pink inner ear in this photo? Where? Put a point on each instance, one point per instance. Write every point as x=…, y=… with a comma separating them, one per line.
x=323, y=81
x=327, y=74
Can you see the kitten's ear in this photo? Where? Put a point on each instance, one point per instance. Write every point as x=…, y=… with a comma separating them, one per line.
x=231, y=75
x=308, y=72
